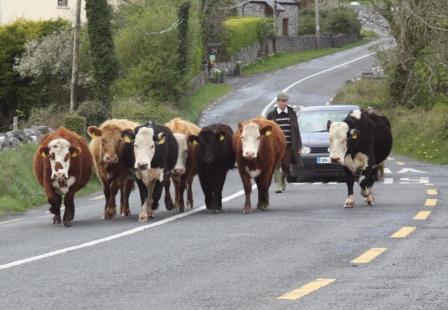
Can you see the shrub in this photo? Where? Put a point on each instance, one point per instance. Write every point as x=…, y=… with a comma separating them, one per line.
x=342, y=20
x=141, y=111
x=75, y=122
x=244, y=31
x=92, y=111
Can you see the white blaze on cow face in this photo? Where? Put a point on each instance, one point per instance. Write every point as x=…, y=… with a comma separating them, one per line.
x=338, y=141
x=144, y=148
x=59, y=152
x=356, y=114
x=250, y=137
x=181, y=162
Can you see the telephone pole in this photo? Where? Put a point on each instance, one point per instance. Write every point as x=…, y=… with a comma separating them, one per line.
x=274, y=20
x=75, y=63
x=316, y=15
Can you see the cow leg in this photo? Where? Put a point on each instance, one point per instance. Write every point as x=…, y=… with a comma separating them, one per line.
x=247, y=190
x=106, y=191
x=218, y=192
x=366, y=185
x=69, y=213
x=111, y=208
x=168, y=200
x=157, y=193
x=180, y=193
x=207, y=189
x=55, y=202
x=350, y=181
x=146, y=210
x=125, y=193
x=143, y=191
x=190, y=204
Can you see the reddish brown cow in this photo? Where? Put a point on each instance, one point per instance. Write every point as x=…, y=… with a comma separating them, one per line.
x=62, y=165
x=113, y=160
x=259, y=145
x=185, y=169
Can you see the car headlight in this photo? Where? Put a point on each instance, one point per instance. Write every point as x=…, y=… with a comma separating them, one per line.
x=306, y=150
x=329, y=149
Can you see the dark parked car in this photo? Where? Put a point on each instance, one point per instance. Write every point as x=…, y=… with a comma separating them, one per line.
x=315, y=154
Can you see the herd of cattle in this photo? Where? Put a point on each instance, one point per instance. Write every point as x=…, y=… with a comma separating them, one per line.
x=124, y=153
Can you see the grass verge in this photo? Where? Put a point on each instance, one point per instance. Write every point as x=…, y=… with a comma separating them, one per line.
x=280, y=61
x=19, y=189
x=418, y=133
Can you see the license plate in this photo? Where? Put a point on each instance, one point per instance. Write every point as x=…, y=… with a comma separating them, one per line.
x=323, y=160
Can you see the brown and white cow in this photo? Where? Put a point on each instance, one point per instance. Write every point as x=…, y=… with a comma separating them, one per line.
x=62, y=165
x=113, y=160
x=185, y=168
x=259, y=145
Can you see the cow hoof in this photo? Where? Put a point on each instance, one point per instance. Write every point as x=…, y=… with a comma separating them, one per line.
x=67, y=224
x=126, y=212
x=144, y=217
x=57, y=219
x=181, y=209
x=349, y=204
x=370, y=200
x=169, y=205
x=190, y=204
x=247, y=210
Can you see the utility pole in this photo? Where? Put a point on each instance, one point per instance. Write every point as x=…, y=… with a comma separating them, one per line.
x=274, y=20
x=75, y=63
x=316, y=14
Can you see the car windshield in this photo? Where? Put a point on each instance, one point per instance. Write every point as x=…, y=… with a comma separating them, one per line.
x=316, y=121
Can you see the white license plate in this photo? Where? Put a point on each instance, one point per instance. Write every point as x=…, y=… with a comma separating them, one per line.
x=323, y=160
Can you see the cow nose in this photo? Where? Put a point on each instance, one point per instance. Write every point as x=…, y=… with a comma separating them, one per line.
x=111, y=158
x=334, y=159
x=142, y=166
x=179, y=171
x=249, y=155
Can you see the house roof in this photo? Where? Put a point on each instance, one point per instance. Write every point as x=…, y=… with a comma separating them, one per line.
x=279, y=3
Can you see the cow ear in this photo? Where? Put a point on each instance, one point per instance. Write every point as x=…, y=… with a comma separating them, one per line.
x=240, y=126
x=354, y=134
x=193, y=139
x=44, y=151
x=128, y=136
x=328, y=125
x=74, y=151
x=266, y=131
x=94, y=131
x=161, y=138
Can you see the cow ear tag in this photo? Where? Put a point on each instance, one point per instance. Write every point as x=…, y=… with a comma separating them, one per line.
x=161, y=141
x=268, y=133
x=43, y=155
x=354, y=135
x=127, y=139
x=221, y=138
x=195, y=142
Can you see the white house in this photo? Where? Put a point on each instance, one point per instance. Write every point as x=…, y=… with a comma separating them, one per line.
x=10, y=10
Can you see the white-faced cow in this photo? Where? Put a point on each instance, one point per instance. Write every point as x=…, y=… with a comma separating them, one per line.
x=155, y=151
x=214, y=158
x=260, y=146
x=185, y=168
x=62, y=165
x=361, y=143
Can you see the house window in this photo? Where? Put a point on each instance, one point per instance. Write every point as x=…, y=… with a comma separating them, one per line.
x=285, y=26
x=62, y=3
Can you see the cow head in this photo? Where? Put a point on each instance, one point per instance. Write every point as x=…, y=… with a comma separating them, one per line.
x=342, y=138
x=145, y=146
x=251, y=134
x=111, y=138
x=210, y=142
x=59, y=152
x=181, y=162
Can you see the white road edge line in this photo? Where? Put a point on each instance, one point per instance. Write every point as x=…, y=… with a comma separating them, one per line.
x=113, y=237
x=11, y=221
x=311, y=76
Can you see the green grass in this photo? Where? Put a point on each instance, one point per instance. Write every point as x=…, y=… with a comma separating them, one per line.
x=19, y=189
x=280, y=61
x=413, y=137
x=202, y=98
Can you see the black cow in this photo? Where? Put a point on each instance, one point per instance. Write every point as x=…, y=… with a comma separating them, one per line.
x=214, y=157
x=155, y=151
x=361, y=143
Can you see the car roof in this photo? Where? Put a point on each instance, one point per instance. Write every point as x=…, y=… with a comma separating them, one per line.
x=336, y=107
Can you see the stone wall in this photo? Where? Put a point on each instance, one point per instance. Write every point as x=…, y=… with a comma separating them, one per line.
x=15, y=138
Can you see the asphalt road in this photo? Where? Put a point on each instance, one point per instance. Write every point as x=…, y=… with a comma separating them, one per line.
x=199, y=260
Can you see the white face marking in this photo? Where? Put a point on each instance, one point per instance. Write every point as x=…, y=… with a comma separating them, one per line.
x=251, y=140
x=181, y=162
x=144, y=147
x=356, y=114
x=59, y=153
x=338, y=141
x=253, y=173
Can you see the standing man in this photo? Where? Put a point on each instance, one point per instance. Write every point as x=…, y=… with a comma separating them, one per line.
x=286, y=118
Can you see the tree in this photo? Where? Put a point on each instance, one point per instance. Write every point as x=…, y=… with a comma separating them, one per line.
x=183, y=15
x=104, y=61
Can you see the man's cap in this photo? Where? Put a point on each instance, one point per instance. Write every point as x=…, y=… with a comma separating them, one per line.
x=282, y=96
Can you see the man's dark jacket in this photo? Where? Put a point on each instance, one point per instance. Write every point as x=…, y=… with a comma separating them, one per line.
x=296, y=140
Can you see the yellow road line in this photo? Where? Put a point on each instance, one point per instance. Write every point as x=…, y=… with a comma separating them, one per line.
x=306, y=289
x=403, y=232
x=432, y=192
x=431, y=202
x=369, y=256
x=422, y=215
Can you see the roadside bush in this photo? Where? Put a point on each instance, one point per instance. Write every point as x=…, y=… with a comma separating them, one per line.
x=343, y=20
x=141, y=111
x=92, y=111
x=76, y=122
x=244, y=31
